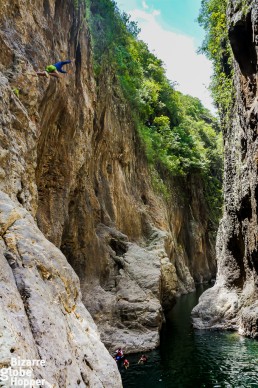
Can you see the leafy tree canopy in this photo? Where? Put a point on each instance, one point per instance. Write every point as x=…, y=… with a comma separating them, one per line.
x=216, y=46
x=178, y=133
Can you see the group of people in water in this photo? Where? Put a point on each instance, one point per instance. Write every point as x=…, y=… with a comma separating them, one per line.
x=119, y=356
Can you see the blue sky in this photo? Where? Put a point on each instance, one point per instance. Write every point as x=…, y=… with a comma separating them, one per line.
x=170, y=29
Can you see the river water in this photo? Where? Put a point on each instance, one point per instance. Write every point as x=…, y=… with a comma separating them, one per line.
x=193, y=358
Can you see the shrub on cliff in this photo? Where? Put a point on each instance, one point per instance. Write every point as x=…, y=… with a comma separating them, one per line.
x=216, y=46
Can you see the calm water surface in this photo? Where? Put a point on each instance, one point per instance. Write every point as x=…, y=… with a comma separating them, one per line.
x=196, y=359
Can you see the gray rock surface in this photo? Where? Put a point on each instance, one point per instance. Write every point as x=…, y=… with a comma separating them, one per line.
x=42, y=315
x=128, y=310
x=232, y=302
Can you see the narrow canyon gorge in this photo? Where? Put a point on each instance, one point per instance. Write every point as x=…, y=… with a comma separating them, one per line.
x=93, y=254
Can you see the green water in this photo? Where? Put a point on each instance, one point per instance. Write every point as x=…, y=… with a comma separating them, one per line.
x=195, y=359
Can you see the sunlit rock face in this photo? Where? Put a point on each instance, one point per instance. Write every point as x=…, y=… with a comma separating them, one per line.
x=117, y=222
x=42, y=314
x=232, y=302
x=72, y=164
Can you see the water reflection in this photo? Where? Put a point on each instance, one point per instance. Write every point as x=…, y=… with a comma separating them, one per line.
x=196, y=359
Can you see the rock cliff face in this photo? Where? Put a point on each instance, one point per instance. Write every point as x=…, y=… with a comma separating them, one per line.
x=72, y=166
x=232, y=302
x=42, y=314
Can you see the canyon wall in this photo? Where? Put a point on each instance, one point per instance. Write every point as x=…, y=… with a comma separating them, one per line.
x=232, y=302
x=42, y=314
x=76, y=192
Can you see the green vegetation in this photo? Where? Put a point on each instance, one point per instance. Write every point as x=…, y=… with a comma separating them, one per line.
x=244, y=6
x=217, y=48
x=179, y=135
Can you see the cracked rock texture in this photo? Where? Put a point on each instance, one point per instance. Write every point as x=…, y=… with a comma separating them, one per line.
x=232, y=302
x=71, y=166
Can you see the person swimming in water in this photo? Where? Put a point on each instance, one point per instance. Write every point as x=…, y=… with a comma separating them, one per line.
x=54, y=69
x=143, y=359
x=119, y=354
x=126, y=364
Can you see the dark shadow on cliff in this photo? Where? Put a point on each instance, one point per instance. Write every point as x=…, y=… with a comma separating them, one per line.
x=243, y=46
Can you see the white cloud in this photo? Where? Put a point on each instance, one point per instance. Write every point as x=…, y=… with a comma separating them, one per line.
x=191, y=71
x=145, y=5
x=156, y=12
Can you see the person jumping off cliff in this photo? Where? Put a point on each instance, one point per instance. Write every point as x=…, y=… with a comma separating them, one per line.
x=54, y=69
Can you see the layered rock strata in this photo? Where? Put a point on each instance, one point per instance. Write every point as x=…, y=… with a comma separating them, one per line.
x=232, y=302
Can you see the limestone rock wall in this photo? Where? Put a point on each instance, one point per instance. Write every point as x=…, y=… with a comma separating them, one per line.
x=232, y=302
x=118, y=207
x=42, y=315
x=71, y=158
